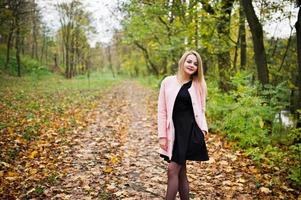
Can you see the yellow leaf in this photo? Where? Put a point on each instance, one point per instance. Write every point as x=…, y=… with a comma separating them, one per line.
x=10, y=130
x=19, y=140
x=12, y=174
x=33, y=171
x=33, y=154
x=114, y=159
x=108, y=169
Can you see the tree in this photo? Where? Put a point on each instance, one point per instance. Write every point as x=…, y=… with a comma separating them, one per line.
x=242, y=37
x=21, y=11
x=222, y=12
x=257, y=37
x=75, y=25
x=15, y=23
x=223, y=29
x=151, y=29
x=8, y=24
x=298, y=33
x=35, y=30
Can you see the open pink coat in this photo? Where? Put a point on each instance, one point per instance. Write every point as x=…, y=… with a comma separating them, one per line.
x=167, y=96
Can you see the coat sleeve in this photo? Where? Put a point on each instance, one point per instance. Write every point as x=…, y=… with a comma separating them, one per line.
x=162, y=112
x=203, y=105
x=203, y=94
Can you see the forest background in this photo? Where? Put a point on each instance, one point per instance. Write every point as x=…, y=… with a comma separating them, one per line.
x=253, y=78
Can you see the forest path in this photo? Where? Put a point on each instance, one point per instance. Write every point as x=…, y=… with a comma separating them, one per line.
x=116, y=157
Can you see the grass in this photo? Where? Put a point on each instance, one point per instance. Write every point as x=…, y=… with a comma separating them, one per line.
x=150, y=81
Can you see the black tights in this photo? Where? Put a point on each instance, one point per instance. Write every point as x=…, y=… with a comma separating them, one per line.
x=177, y=181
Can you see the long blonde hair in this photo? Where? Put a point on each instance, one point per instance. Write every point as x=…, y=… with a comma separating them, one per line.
x=199, y=76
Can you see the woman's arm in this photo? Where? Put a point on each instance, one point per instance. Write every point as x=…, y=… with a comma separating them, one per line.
x=203, y=104
x=203, y=94
x=162, y=112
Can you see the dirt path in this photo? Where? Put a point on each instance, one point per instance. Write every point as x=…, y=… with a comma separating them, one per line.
x=116, y=157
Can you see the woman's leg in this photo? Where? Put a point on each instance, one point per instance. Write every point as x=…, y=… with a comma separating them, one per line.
x=173, y=180
x=183, y=184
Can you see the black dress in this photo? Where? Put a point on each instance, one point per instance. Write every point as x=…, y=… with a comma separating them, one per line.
x=189, y=141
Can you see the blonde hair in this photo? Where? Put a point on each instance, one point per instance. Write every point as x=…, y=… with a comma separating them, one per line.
x=199, y=76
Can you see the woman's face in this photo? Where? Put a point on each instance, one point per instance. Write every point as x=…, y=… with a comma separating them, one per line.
x=190, y=65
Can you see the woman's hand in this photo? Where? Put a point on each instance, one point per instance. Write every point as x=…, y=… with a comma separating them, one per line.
x=205, y=135
x=163, y=143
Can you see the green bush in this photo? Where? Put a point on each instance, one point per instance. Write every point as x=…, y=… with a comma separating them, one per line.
x=295, y=156
x=240, y=114
x=28, y=65
x=246, y=115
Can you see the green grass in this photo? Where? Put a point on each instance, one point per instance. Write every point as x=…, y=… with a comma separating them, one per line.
x=50, y=83
x=151, y=81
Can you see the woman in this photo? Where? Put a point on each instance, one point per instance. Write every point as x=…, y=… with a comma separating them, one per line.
x=182, y=125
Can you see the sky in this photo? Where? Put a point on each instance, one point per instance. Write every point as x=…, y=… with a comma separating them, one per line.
x=106, y=19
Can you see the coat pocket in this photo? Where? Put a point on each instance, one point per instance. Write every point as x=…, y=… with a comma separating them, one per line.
x=197, y=134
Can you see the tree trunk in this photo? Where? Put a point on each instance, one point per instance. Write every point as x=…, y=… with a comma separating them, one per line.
x=8, y=46
x=173, y=52
x=22, y=45
x=55, y=61
x=67, y=63
x=224, y=76
x=243, y=43
x=110, y=61
x=150, y=65
x=34, y=47
x=46, y=54
x=196, y=31
x=43, y=48
x=72, y=64
x=236, y=50
x=67, y=49
x=298, y=33
x=257, y=36
x=18, y=50
x=223, y=29
x=286, y=50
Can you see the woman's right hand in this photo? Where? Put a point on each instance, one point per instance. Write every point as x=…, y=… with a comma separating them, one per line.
x=163, y=143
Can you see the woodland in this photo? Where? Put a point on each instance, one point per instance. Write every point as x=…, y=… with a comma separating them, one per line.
x=55, y=87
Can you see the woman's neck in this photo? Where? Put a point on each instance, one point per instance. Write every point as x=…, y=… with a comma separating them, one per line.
x=183, y=78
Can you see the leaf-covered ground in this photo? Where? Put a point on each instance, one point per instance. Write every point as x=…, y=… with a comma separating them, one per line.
x=114, y=156
x=36, y=115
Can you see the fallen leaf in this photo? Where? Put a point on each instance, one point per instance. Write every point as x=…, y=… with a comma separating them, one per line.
x=265, y=190
x=33, y=154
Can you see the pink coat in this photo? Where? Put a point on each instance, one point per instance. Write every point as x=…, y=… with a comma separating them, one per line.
x=167, y=96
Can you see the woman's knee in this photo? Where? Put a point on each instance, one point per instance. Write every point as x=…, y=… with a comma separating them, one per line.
x=173, y=169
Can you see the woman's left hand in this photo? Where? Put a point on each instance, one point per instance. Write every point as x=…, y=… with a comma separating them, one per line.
x=205, y=135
